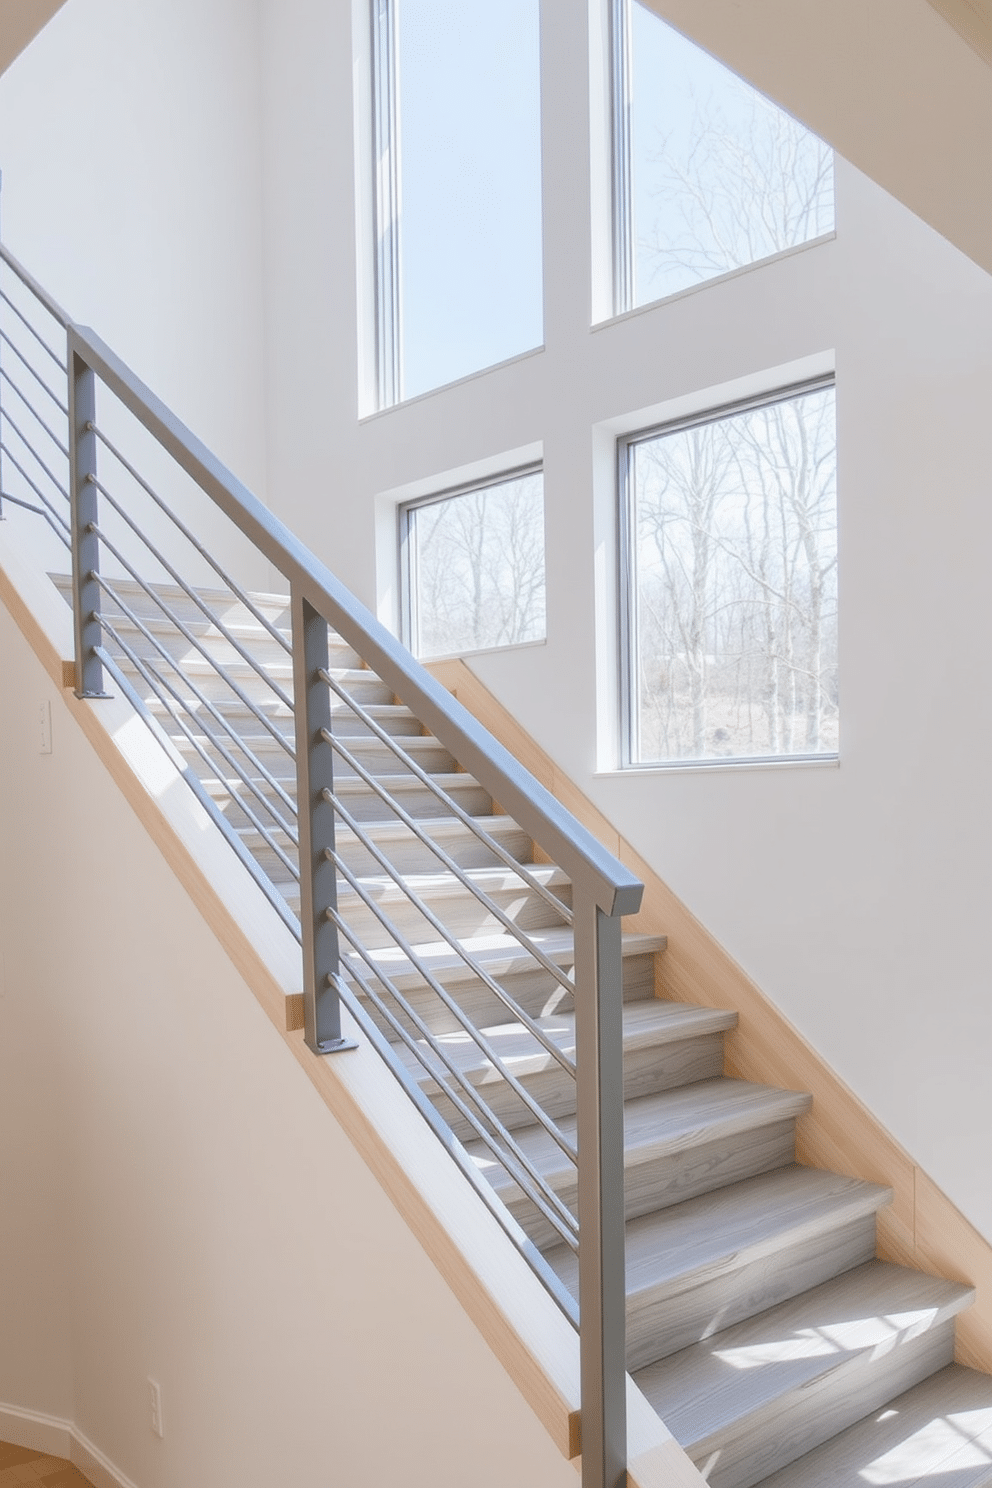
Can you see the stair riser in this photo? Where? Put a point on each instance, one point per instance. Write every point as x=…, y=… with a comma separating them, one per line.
x=645, y=1072
x=366, y=688
x=364, y=804
x=267, y=652
x=800, y=1420
x=394, y=720
x=462, y=916
x=407, y=855
x=668, y=1179
x=660, y=1323
x=370, y=752
x=535, y=991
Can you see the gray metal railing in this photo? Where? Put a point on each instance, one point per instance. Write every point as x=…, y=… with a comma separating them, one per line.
x=289, y=766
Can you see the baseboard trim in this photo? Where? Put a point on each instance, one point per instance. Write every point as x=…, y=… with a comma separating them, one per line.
x=33, y=1429
x=101, y=1472
x=57, y=1437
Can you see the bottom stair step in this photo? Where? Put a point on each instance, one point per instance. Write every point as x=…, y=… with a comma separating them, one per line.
x=937, y=1434
x=756, y=1396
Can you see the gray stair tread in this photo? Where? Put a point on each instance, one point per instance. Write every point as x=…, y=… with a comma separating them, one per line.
x=450, y=782
x=647, y=1024
x=656, y=1125
x=445, y=885
x=435, y=826
x=706, y=1389
x=939, y=1433
x=677, y=1250
x=499, y=954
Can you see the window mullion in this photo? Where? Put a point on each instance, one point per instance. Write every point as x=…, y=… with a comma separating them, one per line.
x=386, y=196
x=623, y=246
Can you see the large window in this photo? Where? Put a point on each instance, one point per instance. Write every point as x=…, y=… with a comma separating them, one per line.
x=731, y=583
x=474, y=567
x=709, y=176
x=457, y=156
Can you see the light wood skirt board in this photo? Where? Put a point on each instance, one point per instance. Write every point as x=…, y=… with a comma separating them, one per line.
x=921, y=1228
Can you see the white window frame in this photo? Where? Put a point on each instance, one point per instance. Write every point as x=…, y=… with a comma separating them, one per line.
x=627, y=581
x=621, y=177
x=406, y=516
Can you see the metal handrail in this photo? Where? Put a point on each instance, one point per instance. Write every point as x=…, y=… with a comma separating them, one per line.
x=613, y=888
x=427, y=780
x=44, y=299
x=194, y=541
x=603, y=889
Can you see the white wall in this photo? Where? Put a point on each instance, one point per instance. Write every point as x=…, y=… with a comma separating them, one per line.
x=130, y=143
x=177, y=1200
x=855, y=895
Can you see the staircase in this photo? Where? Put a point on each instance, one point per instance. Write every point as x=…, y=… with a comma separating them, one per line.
x=760, y=1326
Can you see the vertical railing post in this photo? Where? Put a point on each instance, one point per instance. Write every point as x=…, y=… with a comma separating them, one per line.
x=83, y=517
x=318, y=877
x=602, y=1277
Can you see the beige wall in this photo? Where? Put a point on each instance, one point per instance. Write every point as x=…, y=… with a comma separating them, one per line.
x=178, y=1201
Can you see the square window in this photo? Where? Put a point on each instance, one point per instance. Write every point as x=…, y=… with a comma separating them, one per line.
x=730, y=557
x=474, y=567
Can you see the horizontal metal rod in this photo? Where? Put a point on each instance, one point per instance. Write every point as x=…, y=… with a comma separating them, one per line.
x=205, y=702
x=148, y=672
x=34, y=372
x=201, y=604
x=419, y=830
x=466, y=818
x=33, y=412
x=225, y=578
x=218, y=743
x=56, y=514
x=150, y=676
x=35, y=333
x=238, y=691
x=376, y=1039
x=417, y=961
x=544, y=1196
x=234, y=841
x=175, y=712
x=616, y=890
x=44, y=299
x=37, y=511
x=6, y=417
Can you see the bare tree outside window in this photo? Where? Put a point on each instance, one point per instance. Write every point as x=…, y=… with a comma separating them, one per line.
x=734, y=552
x=720, y=176
x=476, y=568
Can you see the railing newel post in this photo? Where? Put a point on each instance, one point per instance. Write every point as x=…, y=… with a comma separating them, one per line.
x=83, y=504
x=602, y=1269
x=315, y=786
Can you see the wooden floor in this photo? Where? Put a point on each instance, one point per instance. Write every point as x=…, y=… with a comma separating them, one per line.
x=23, y=1466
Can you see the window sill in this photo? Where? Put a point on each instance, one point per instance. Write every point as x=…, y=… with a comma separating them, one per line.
x=703, y=284
x=706, y=767
x=482, y=651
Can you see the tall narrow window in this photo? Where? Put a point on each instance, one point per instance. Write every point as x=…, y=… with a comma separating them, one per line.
x=474, y=564
x=457, y=128
x=731, y=542
x=709, y=176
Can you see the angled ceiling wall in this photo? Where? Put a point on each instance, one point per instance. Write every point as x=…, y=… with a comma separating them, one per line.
x=901, y=88
x=20, y=21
